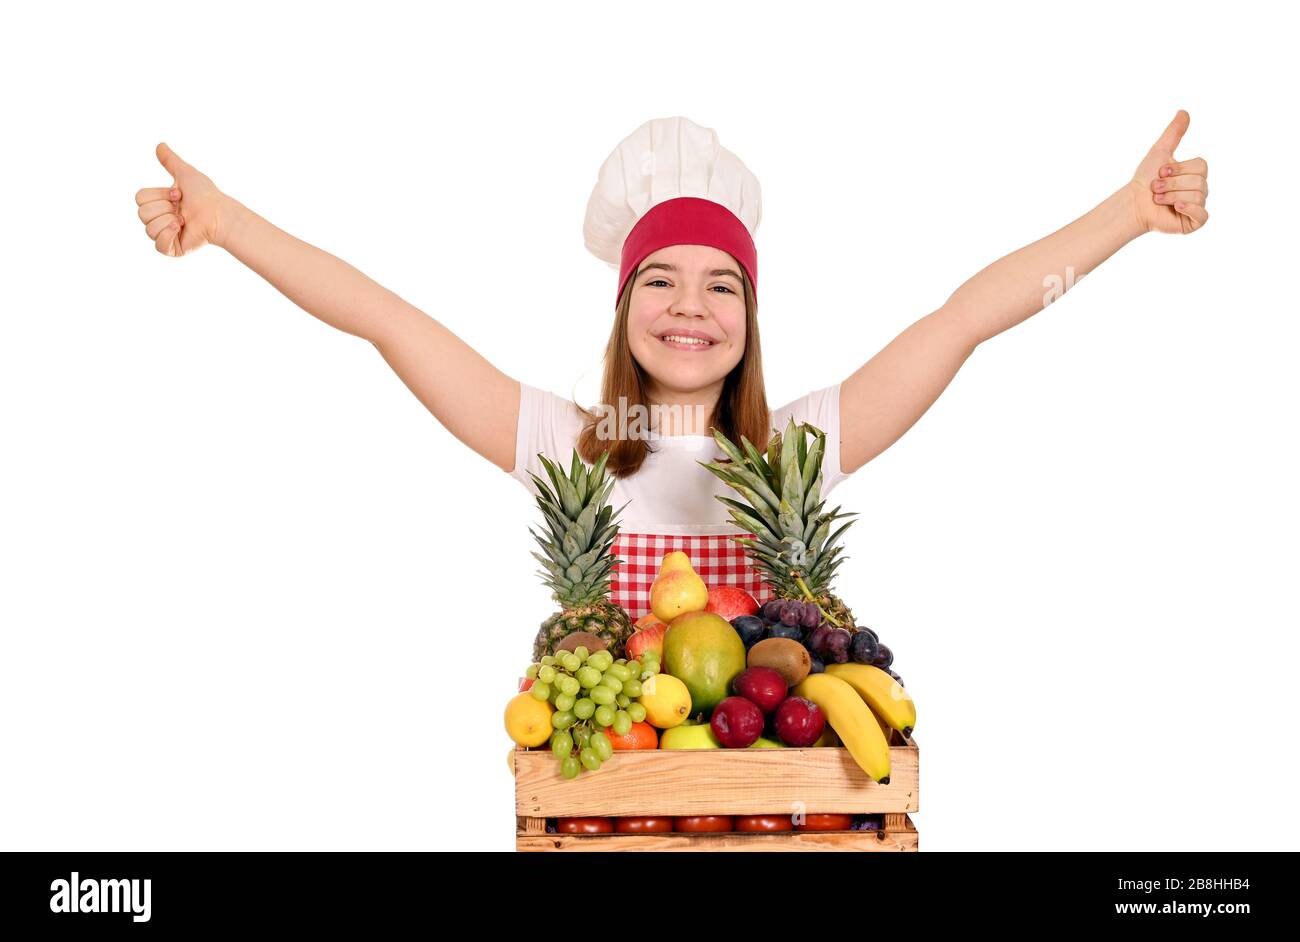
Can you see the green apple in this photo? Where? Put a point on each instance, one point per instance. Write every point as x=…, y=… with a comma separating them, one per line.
x=699, y=736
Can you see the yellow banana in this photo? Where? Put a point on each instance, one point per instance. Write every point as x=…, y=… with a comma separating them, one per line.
x=886, y=696
x=852, y=721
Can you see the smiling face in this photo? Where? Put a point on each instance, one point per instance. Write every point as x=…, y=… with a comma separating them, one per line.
x=686, y=321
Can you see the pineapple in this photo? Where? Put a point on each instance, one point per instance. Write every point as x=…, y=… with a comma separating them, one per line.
x=794, y=547
x=577, y=559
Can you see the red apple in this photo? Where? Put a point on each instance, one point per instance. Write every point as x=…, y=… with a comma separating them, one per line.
x=737, y=723
x=730, y=601
x=799, y=722
x=763, y=686
x=649, y=638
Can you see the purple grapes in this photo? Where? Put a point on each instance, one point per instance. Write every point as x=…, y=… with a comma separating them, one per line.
x=772, y=611
x=884, y=657
x=836, y=646
x=812, y=616
x=863, y=648
x=781, y=630
x=791, y=613
x=749, y=628
x=817, y=666
x=817, y=639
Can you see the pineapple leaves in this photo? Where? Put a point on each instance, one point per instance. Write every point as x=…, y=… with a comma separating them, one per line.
x=725, y=444
x=792, y=487
x=581, y=526
x=738, y=474
x=812, y=461
x=551, y=567
x=597, y=473
x=813, y=492
x=578, y=477
x=789, y=522
x=774, y=450
x=757, y=463
x=789, y=448
x=768, y=519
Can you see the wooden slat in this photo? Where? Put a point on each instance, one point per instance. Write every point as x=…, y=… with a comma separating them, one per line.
x=716, y=781
x=900, y=839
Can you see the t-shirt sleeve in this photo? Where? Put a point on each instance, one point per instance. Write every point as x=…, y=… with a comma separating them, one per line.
x=548, y=424
x=822, y=410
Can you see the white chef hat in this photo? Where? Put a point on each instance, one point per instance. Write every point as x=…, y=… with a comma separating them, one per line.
x=700, y=194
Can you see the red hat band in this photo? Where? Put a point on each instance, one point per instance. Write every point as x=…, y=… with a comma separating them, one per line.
x=687, y=220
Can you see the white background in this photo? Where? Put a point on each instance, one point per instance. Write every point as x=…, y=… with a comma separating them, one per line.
x=256, y=597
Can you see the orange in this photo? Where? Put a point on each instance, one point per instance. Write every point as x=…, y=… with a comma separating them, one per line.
x=640, y=736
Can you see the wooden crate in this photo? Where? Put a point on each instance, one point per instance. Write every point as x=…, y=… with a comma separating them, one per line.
x=719, y=781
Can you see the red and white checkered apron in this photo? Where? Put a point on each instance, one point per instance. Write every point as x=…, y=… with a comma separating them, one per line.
x=717, y=559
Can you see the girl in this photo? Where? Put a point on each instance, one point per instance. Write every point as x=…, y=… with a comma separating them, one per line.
x=675, y=213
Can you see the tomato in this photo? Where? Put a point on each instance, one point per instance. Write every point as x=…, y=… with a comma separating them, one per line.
x=765, y=822
x=825, y=822
x=584, y=825
x=702, y=823
x=643, y=825
x=640, y=736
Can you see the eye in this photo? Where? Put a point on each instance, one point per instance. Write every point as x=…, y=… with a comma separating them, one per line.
x=661, y=281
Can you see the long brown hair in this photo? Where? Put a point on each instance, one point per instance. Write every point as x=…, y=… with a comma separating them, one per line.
x=741, y=410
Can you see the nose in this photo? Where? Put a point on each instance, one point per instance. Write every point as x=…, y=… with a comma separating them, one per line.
x=689, y=303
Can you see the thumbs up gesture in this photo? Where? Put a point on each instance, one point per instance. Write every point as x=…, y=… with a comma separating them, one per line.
x=184, y=216
x=1169, y=194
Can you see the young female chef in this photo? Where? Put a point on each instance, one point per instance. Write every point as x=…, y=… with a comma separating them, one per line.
x=675, y=213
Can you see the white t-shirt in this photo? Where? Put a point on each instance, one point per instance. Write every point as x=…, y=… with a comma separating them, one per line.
x=670, y=494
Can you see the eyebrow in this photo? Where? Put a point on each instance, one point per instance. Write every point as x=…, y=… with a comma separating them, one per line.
x=666, y=267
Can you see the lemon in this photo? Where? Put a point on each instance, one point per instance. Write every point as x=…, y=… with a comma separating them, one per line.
x=528, y=720
x=666, y=700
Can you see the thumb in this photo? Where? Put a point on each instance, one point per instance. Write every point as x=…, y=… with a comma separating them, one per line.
x=1172, y=134
x=169, y=159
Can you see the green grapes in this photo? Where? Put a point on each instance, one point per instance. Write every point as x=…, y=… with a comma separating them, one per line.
x=592, y=693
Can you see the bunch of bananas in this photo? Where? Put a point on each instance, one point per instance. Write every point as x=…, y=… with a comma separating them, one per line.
x=862, y=703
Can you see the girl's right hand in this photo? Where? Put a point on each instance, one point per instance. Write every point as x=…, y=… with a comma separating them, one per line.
x=185, y=216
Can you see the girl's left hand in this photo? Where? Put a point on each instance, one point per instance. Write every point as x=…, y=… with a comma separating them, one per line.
x=1169, y=195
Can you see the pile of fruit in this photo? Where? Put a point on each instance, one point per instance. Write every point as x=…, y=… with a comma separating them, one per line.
x=707, y=668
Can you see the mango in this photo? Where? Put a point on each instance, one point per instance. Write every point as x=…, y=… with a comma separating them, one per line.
x=706, y=654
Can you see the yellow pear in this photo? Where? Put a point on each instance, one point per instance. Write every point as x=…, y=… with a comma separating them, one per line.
x=677, y=588
x=675, y=562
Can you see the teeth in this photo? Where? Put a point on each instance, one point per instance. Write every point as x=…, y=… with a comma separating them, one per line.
x=694, y=340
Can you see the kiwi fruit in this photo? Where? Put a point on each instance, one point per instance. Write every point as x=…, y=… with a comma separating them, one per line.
x=571, y=642
x=787, y=657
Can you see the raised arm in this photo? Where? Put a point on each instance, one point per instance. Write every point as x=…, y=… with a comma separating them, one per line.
x=886, y=396
x=472, y=399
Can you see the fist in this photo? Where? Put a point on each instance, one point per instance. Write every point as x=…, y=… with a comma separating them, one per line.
x=1169, y=195
x=184, y=216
